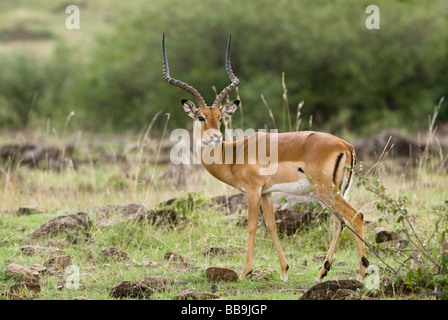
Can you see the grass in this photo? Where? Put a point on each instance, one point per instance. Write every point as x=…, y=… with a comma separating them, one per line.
x=95, y=184
x=139, y=179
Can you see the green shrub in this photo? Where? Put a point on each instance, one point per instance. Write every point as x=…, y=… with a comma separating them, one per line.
x=349, y=77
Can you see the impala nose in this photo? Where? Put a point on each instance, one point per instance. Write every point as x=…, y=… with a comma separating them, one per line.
x=216, y=137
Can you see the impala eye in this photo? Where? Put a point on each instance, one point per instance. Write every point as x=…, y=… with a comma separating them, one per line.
x=201, y=119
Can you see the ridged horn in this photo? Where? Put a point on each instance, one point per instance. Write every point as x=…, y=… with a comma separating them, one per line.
x=234, y=80
x=166, y=76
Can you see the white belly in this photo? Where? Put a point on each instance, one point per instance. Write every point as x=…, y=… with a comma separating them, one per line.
x=299, y=188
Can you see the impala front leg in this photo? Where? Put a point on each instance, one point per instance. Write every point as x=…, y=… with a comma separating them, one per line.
x=253, y=199
x=269, y=219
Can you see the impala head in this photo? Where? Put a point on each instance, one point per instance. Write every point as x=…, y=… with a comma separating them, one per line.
x=207, y=118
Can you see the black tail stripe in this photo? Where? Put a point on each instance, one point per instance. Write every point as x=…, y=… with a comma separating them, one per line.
x=338, y=160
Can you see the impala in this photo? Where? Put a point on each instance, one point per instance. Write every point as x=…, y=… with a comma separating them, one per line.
x=307, y=162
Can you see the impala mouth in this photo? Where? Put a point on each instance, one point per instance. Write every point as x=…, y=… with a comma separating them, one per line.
x=214, y=140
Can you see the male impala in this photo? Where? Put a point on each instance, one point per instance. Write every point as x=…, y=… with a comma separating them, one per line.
x=307, y=161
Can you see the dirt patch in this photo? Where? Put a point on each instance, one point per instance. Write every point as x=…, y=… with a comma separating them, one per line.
x=38, y=155
x=78, y=221
x=293, y=219
x=157, y=283
x=34, y=250
x=23, y=273
x=190, y=294
x=401, y=145
x=19, y=33
x=131, y=289
x=59, y=262
x=113, y=253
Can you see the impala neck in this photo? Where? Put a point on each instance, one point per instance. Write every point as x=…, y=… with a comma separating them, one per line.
x=212, y=156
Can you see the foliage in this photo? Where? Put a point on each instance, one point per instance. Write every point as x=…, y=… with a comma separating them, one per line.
x=348, y=76
x=428, y=253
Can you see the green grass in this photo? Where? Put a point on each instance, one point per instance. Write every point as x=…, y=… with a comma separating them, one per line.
x=95, y=185
x=139, y=180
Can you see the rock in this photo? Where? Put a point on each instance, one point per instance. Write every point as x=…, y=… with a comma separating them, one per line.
x=114, y=254
x=111, y=214
x=11, y=296
x=231, y=203
x=147, y=263
x=131, y=289
x=291, y=212
x=173, y=256
x=394, y=245
x=221, y=274
x=291, y=219
x=159, y=218
x=27, y=210
x=190, y=294
x=128, y=210
x=214, y=288
x=384, y=234
x=157, y=283
x=76, y=237
x=32, y=250
x=371, y=223
x=391, y=288
x=25, y=274
x=327, y=289
x=30, y=153
x=79, y=220
x=59, y=262
x=400, y=143
x=26, y=289
x=177, y=175
x=214, y=251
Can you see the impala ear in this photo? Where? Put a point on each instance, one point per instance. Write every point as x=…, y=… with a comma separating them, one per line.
x=190, y=108
x=229, y=108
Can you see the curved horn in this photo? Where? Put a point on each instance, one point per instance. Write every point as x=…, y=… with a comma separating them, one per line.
x=177, y=83
x=233, y=78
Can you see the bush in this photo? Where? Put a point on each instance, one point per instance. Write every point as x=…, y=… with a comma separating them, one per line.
x=349, y=77
x=32, y=89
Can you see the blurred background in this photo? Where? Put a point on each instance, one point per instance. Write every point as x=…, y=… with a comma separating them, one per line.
x=109, y=72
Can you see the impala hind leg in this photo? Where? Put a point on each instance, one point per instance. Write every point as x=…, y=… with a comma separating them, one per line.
x=346, y=211
x=339, y=227
x=269, y=218
x=253, y=200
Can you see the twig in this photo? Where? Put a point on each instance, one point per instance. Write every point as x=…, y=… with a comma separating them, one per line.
x=269, y=109
x=368, y=245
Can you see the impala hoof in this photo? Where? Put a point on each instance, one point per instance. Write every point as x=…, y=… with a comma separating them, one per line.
x=244, y=274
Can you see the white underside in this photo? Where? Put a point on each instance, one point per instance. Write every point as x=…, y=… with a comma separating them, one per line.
x=299, y=188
